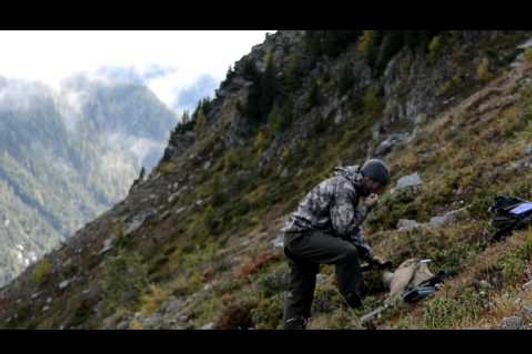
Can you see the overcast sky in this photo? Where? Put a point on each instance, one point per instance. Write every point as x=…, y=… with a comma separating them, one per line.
x=174, y=64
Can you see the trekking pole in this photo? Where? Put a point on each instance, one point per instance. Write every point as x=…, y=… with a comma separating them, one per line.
x=373, y=314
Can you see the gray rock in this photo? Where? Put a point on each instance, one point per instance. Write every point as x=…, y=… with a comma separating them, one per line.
x=138, y=220
x=172, y=307
x=180, y=210
x=152, y=322
x=64, y=284
x=45, y=308
x=209, y=325
x=484, y=284
x=528, y=309
x=407, y=224
x=339, y=118
x=387, y=145
x=437, y=221
x=123, y=325
x=35, y=295
x=49, y=300
x=107, y=246
x=207, y=165
x=420, y=119
x=449, y=218
x=525, y=45
x=278, y=242
x=512, y=322
x=528, y=150
x=172, y=197
x=413, y=180
x=183, y=318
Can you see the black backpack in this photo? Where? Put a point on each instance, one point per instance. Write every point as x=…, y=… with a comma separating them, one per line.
x=508, y=214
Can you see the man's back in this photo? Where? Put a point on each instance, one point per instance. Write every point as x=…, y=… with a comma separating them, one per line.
x=330, y=206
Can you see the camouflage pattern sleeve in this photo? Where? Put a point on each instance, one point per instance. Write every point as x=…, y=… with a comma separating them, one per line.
x=345, y=216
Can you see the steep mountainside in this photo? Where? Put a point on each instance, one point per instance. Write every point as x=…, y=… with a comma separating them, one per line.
x=67, y=156
x=197, y=244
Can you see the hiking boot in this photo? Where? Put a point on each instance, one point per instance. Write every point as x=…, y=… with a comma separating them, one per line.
x=353, y=300
x=296, y=323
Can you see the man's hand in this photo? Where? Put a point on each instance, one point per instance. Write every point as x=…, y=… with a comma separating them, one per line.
x=371, y=201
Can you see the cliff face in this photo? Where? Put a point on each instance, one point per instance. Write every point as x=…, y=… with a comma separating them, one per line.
x=197, y=245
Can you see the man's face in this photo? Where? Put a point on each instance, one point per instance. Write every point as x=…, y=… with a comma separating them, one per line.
x=372, y=186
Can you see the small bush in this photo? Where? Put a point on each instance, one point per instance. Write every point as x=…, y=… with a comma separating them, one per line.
x=528, y=55
x=152, y=301
x=514, y=265
x=372, y=102
x=453, y=313
x=365, y=41
x=273, y=283
x=269, y=312
x=313, y=98
x=450, y=85
x=276, y=119
x=483, y=70
x=210, y=220
x=231, y=161
x=167, y=167
x=293, y=72
x=346, y=80
x=435, y=47
x=236, y=316
x=123, y=281
x=326, y=300
x=42, y=271
x=257, y=264
x=262, y=140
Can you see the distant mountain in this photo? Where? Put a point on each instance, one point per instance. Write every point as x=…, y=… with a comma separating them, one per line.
x=67, y=156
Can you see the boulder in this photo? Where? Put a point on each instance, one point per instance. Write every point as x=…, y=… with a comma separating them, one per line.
x=528, y=286
x=64, y=284
x=208, y=326
x=413, y=180
x=387, y=145
x=437, y=221
x=278, y=242
x=407, y=224
x=138, y=220
x=107, y=246
x=512, y=322
x=448, y=218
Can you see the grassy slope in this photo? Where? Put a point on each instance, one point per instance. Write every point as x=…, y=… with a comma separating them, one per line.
x=211, y=254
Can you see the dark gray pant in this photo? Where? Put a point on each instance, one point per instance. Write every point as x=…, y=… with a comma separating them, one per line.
x=305, y=252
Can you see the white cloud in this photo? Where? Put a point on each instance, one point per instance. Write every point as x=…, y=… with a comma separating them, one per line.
x=50, y=56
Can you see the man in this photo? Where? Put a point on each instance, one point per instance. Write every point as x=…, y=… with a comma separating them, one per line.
x=325, y=229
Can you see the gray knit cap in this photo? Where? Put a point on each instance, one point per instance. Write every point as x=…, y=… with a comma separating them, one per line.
x=377, y=170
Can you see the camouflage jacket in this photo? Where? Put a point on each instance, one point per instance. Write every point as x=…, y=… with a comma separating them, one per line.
x=332, y=207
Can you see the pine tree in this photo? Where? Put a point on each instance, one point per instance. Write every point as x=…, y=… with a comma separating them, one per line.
x=346, y=80
x=291, y=78
x=201, y=122
x=314, y=95
x=267, y=87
